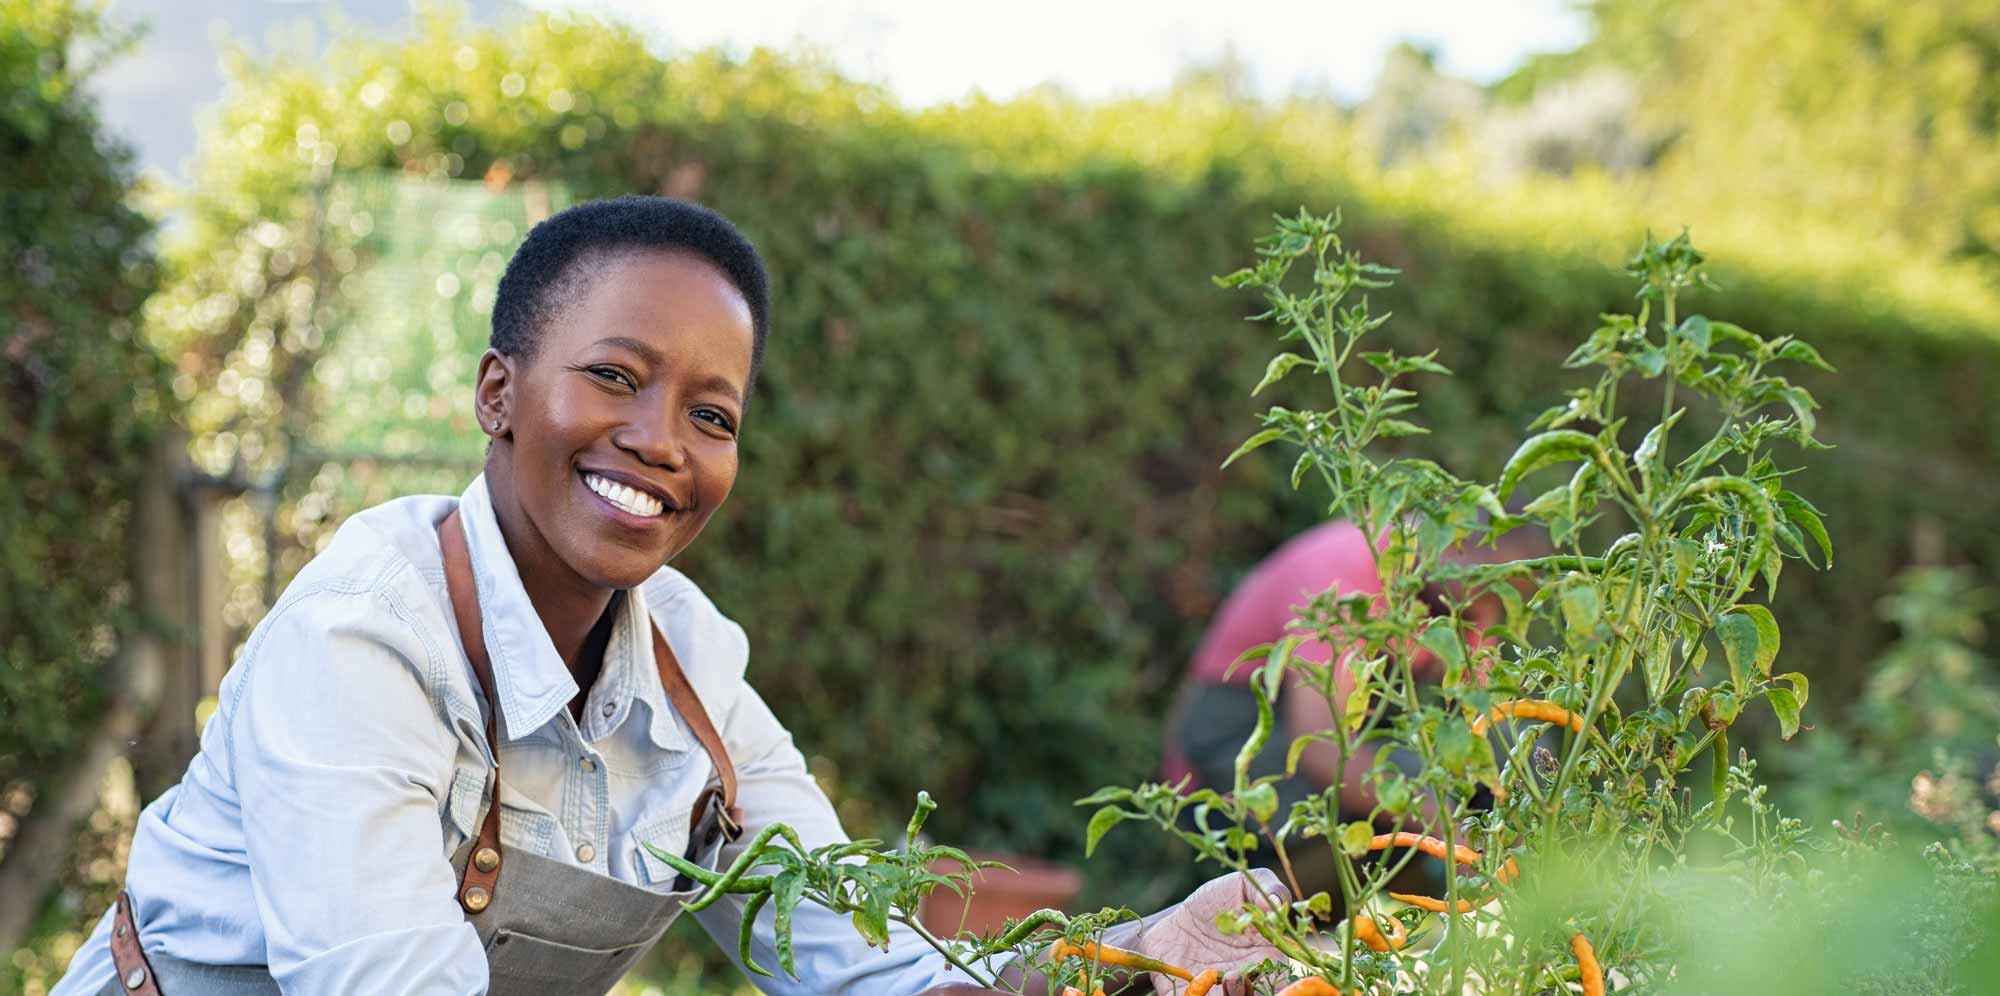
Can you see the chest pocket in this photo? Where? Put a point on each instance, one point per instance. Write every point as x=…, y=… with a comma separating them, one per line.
x=520, y=826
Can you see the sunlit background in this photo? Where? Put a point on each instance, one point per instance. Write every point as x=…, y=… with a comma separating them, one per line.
x=982, y=521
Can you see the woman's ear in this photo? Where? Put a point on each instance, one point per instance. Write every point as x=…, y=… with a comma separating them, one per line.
x=493, y=397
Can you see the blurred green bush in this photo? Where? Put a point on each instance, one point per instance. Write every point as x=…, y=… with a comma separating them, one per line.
x=80, y=394
x=980, y=521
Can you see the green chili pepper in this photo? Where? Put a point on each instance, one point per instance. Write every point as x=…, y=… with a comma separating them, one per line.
x=1027, y=927
x=746, y=884
x=748, y=929
x=1757, y=504
x=744, y=862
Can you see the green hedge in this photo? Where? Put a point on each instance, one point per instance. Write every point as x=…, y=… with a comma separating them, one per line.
x=980, y=520
x=79, y=392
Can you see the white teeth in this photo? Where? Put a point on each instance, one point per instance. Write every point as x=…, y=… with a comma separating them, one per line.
x=630, y=499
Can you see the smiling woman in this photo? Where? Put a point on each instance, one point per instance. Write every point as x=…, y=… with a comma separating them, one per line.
x=345, y=827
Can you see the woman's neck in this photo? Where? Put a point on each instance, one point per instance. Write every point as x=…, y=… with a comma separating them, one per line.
x=568, y=605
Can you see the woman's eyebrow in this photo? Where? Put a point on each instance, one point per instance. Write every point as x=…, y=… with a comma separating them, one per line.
x=653, y=358
x=723, y=385
x=646, y=352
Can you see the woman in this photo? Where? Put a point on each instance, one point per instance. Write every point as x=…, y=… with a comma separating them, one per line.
x=337, y=832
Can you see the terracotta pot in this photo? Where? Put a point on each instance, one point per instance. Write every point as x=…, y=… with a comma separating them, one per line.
x=998, y=894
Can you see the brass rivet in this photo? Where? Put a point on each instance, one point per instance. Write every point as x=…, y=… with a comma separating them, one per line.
x=135, y=978
x=486, y=859
x=476, y=898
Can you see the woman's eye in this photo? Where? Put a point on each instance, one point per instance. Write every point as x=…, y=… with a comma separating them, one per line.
x=613, y=375
x=719, y=419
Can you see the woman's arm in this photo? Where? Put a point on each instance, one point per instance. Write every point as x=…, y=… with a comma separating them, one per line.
x=339, y=757
x=773, y=786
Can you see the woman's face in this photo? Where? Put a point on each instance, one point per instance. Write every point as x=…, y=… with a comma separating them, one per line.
x=620, y=432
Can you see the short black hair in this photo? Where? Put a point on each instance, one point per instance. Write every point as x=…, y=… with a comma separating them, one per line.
x=556, y=261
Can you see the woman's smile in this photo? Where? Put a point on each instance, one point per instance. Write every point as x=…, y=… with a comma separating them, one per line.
x=634, y=502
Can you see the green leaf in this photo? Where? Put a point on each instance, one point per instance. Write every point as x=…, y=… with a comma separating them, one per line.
x=1786, y=705
x=1580, y=609
x=1802, y=404
x=1253, y=443
x=1355, y=709
x=1395, y=428
x=1442, y=639
x=1800, y=686
x=1800, y=351
x=1767, y=635
x=1101, y=824
x=1355, y=838
x=786, y=892
x=1738, y=633
x=1808, y=520
x=1695, y=332
x=1261, y=801
x=1557, y=446
x=1280, y=365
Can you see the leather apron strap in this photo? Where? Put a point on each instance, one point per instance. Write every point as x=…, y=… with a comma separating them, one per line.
x=135, y=973
x=482, y=871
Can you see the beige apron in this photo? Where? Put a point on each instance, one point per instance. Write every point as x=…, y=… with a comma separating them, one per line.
x=550, y=928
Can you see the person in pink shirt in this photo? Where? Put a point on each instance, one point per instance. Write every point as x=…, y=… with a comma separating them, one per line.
x=1216, y=710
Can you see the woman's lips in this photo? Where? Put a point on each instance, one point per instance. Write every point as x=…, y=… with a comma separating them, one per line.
x=626, y=500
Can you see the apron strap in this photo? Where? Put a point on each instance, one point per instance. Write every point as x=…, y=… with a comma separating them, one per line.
x=482, y=870
x=681, y=693
x=135, y=974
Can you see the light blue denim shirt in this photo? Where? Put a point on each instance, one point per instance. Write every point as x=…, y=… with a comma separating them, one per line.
x=347, y=760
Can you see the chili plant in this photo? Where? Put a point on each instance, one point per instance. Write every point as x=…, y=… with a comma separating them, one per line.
x=1617, y=667
x=878, y=887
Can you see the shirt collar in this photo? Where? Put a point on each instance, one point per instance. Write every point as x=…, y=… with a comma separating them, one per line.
x=533, y=683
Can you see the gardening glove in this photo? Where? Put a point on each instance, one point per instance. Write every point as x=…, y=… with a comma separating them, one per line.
x=1185, y=935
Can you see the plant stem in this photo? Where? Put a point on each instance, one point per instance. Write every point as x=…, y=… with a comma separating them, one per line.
x=916, y=925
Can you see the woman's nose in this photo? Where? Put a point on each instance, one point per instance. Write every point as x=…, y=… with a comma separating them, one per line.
x=654, y=443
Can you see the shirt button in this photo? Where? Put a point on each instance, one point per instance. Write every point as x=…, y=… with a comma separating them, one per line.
x=588, y=764
x=586, y=853
x=609, y=708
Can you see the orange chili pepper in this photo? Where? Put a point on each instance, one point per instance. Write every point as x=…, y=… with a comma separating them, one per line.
x=1586, y=963
x=1436, y=848
x=1368, y=932
x=1203, y=983
x=1108, y=955
x=1542, y=709
x=1310, y=986
x=1438, y=905
x=1071, y=991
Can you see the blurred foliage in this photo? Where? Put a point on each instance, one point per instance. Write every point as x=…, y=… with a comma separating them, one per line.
x=1882, y=116
x=1921, y=753
x=80, y=394
x=980, y=523
x=80, y=399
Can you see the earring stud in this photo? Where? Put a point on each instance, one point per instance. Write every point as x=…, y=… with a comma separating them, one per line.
x=496, y=425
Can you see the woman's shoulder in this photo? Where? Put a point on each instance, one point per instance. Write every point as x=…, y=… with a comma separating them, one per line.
x=386, y=556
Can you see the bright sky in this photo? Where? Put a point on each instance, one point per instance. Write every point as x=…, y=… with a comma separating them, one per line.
x=929, y=51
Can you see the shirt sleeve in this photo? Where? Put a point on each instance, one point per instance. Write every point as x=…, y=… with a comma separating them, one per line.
x=773, y=786
x=339, y=757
